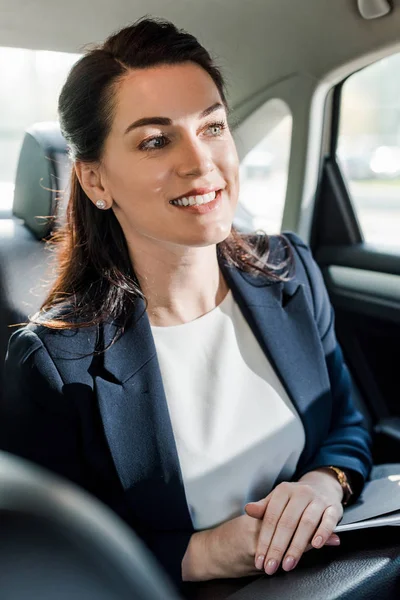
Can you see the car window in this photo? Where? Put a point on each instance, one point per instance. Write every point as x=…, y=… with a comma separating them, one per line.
x=264, y=170
x=30, y=84
x=369, y=148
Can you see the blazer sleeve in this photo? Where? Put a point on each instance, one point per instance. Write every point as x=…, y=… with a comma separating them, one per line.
x=348, y=444
x=37, y=422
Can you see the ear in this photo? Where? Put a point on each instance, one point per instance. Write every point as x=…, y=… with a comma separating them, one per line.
x=91, y=181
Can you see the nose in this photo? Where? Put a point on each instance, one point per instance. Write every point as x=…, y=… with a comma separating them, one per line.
x=194, y=159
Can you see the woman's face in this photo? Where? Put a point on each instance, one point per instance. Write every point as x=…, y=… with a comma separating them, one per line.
x=170, y=164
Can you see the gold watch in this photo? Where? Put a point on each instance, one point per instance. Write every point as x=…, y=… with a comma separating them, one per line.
x=344, y=482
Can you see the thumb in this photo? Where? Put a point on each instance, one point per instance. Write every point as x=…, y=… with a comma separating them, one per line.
x=256, y=509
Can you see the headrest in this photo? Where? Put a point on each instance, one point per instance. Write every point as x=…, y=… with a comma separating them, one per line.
x=57, y=542
x=42, y=173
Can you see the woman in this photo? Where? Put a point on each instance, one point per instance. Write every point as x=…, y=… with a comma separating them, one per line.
x=178, y=370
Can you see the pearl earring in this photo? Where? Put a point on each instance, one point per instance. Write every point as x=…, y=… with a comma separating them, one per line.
x=102, y=204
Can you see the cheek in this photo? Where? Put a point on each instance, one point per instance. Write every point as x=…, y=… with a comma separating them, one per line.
x=138, y=180
x=229, y=163
x=232, y=169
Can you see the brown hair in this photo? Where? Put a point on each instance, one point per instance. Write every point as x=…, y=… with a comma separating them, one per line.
x=95, y=280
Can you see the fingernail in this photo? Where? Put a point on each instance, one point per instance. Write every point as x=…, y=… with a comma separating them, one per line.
x=260, y=561
x=289, y=563
x=271, y=567
x=318, y=541
x=334, y=541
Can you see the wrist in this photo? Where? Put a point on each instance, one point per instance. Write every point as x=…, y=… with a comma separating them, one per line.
x=324, y=479
x=195, y=563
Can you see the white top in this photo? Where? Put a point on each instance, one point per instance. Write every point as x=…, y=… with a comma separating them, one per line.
x=236, y=430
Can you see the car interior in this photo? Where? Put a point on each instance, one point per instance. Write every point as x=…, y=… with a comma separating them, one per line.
x=314, y=91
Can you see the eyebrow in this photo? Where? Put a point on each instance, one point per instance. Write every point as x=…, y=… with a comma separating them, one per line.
x=166, y=121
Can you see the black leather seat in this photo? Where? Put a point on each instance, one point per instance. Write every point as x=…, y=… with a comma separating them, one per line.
x=25, y=271
x=59, y=543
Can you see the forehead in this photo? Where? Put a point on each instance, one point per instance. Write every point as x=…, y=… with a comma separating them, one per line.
x=174, y=91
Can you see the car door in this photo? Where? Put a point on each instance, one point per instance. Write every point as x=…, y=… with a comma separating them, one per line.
x=356, y=240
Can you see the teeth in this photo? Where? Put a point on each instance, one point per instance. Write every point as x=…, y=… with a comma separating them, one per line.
x=195, y=200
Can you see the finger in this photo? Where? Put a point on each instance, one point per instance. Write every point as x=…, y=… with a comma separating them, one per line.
x=334, y=540
x=311, y=520
x=328, y=523
x=280, y=521
x=284, y=532
x=257, y=509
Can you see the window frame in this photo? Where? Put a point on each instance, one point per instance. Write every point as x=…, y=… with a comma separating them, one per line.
x=253, y=130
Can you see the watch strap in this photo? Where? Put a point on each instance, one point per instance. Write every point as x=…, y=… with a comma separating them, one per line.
x=344, y=482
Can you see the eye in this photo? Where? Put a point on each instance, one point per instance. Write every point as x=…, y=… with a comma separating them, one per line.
x=155, y=143
x=217, y=128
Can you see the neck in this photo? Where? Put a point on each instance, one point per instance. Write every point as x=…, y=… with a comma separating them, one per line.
x=180, y=283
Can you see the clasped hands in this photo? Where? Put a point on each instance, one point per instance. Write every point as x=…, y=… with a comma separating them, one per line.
x=296, y=517
x=278, y=529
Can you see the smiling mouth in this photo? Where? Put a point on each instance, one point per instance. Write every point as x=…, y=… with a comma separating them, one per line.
x=199, y=205
x=195, y=200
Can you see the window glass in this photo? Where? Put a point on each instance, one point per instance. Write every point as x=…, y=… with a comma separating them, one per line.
x=264, y=170
x=369, y=148
x=30, y=85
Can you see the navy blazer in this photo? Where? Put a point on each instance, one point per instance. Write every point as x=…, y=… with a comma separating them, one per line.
x=102, y=420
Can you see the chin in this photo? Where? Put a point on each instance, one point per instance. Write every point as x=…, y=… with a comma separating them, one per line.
x=210, y=237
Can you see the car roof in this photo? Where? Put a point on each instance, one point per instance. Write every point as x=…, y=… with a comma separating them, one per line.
x=257, y=42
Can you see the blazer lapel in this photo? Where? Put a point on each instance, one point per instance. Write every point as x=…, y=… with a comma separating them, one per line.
x=280, y=318
x=138, y=429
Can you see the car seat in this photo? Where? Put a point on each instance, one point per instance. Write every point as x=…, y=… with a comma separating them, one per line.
x=25, y=264
x=58, y=542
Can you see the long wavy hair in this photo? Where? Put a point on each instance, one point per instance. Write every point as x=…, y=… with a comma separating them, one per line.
x=95, y=281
